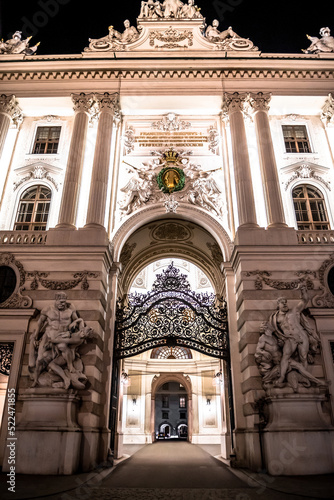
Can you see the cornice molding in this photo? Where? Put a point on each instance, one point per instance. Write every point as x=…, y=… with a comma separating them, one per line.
x=101, y=74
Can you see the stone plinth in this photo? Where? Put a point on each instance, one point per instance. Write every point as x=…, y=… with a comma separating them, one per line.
x=298, y=439
x=48, y=436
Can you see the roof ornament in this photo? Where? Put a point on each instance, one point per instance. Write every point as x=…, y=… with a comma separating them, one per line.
x=323, y=44
x=16, y=45
x=169, y=9
x=227, y=39
x=170, y=25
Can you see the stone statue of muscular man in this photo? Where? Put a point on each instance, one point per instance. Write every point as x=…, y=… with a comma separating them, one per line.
x=58, y=334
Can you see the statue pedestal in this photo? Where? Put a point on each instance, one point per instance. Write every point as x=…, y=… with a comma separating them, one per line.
x=48, y=436
x=298, y=439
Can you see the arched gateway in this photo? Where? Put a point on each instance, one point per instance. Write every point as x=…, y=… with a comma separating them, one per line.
x=170, y=315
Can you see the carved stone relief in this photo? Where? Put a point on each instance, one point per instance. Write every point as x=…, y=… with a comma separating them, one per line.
x=325, y=298
x=15, y=298
x=287, y=346
x=54, y=360
x=39, y=278
x=186, y=182
x=38, y=172
x=308, y=171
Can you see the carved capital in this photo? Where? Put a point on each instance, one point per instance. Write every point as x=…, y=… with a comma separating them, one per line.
x=327, y=113
x=259, y=101
x=10, y=107
x=234, y=102
x=82, y=102
x=108, y=102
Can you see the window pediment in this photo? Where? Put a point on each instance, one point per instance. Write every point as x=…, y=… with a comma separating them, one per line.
x=304, y=170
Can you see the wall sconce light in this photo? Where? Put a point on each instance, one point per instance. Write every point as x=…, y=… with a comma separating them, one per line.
x=218, y=379
x=208, y=401
x=134, y=401
x=125, y=379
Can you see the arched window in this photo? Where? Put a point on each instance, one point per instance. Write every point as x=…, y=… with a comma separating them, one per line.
x=171, y=353
x=310, y=208
x=33, y=210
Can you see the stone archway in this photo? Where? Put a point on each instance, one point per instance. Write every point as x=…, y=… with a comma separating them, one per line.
x=181, y=379
x=201, y=241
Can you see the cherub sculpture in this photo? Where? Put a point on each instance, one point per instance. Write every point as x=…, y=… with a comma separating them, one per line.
x=324, y=44
x=138, y=190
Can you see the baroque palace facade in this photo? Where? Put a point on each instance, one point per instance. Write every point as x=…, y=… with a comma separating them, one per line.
x=178, y=149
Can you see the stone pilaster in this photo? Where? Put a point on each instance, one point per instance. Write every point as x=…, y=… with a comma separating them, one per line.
x=9, y=111
x=108, y=104
x=270, y=181
x=234, y=104
x=68, y=210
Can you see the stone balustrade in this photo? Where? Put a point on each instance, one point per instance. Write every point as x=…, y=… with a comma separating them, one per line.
x=315, y=237
x=23, y=238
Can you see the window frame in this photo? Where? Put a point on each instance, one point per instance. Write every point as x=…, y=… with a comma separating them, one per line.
x=311, y=222
x=35, y=201
x=48, y=141
x=307, y=135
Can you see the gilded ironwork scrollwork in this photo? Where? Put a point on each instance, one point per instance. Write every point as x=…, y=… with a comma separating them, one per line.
x=6, y=356
x=171, y=314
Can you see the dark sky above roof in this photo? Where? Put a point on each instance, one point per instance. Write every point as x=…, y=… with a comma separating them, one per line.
x=64, y=26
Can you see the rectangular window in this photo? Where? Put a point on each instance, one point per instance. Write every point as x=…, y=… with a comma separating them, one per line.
x=165, y=401
x=165, y=414
x=182, y=402
x=296, y=139
x=183, y=415
x=46, y=140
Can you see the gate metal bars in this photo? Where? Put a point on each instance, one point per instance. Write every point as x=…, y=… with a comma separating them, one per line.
x=171, y=314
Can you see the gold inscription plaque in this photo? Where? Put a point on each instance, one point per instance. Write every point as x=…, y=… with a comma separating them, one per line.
x=176, y=139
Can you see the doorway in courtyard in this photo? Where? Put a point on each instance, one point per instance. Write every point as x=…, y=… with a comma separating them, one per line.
x=171, y=359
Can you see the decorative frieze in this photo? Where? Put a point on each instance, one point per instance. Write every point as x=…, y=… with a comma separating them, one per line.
x=13, y=284
x=40, y=278
x=264, y=277
x=171, y=123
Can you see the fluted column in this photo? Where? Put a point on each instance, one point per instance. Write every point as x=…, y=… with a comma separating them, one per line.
x=9, y=111
x=234, y=104
x=69, y=203
x=270, y=181
x=108, y=104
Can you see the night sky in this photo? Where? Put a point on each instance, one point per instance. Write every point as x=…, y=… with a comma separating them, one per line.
x=64, y=26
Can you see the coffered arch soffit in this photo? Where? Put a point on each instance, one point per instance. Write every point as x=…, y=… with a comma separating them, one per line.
x=171, y=237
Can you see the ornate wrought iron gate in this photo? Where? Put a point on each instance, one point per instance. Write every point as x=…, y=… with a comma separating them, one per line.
x=171, y=314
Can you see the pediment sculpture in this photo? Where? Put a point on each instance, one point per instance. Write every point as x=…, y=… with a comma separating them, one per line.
x=54, y=359
x=16, y=45
x=287, y=346
x=323, y=44
x=227, y=39
x=169, y=9
x=170, y=24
